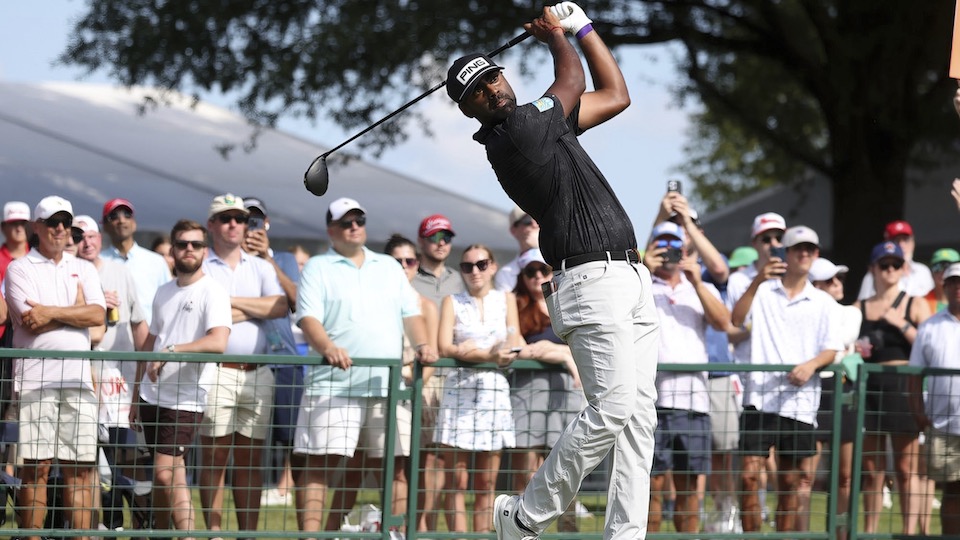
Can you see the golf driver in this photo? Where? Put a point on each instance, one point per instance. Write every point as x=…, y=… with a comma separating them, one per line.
x=317, y=179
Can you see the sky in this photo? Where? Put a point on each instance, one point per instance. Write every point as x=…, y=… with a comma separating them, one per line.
x=637, y=151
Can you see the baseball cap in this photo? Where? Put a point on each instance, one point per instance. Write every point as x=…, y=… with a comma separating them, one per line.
x=885, y=249
x=800, y=235
x=767, y=222
x=516, y=214
x=253, y=202
x=896, y=228
x=51, y=205
x=86, y=224
x=668, y=228
x=530, y=256
x=945, y=255
x=227, y=201
x=340, y=207
x=823, y=269
x=465, y=72
x=952, y=271
x=16, y=211
x=434, y=224
x=694, y=215
x=742, y=256
x=113, y=204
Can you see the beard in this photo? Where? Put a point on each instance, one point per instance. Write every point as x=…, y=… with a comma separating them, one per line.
x=184, y=267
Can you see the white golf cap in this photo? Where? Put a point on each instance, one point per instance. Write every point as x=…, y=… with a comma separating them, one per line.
x=86, y=224
x=341, y=206
x=766, y=222
x=16, y=211
x=952, y=271
x=822, y=270
x=49, y=206
x=800, y=235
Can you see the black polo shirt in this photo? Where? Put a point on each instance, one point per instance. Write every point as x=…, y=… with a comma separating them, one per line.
x=542, y=167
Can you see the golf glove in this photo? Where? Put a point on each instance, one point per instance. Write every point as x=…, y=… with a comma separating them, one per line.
x=572, y=18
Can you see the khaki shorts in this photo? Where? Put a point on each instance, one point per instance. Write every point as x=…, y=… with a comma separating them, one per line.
x=339, y=426
x=238, y=402
x=58, y=423
x=943, y=457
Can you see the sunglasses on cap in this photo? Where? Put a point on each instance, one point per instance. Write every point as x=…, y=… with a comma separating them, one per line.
x=940, y=266
x=674, y=244
x=407, y=262
x=896, y=265
x=54, y=222
x=241, y=219
x=525, y=221
x=467, y=267
x=532, y=271
x=440, y=236
x=348, y=223
x=768, y=238
x=197, y=245
x=118, y=213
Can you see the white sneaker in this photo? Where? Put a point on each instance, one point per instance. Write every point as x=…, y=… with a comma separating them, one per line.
x=273, y=497
x=505, y=519
x=887, y=498
x=935, y=503
x=582, y=511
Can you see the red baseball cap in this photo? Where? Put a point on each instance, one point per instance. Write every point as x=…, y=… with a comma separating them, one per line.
x=113, y=204
x=434, y=224
x=897, y=228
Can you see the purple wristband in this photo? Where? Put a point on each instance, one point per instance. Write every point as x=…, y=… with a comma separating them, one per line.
x=584, y=31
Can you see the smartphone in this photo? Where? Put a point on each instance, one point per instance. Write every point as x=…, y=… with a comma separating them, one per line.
x=254, y=223
x=672, y=255
x=779, y=252
x=515, y=350
x=674, y=185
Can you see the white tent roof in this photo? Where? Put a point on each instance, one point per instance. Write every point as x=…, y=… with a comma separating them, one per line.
x=87, y=143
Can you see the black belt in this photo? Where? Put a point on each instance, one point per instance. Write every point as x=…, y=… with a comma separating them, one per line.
x=629, y=255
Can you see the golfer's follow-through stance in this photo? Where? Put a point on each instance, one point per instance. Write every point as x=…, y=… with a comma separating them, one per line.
x=599, y=300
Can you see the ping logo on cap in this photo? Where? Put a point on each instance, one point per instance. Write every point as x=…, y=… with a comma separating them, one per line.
x=466, y=71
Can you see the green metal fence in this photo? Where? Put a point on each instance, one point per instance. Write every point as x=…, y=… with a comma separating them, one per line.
x=281, y=523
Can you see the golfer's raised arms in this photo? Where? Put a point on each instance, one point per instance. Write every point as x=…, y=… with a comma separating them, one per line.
x=569, y=81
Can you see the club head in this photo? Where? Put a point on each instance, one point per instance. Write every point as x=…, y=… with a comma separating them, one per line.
x=317, y=179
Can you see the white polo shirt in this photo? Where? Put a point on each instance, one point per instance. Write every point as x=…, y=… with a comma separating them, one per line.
x=737, y=285
x=788, y=332
x=938, y=346
x=683, y=328
x=253, y=278
x=37, y=278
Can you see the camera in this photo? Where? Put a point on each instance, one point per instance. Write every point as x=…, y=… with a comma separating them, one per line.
x=673, y=185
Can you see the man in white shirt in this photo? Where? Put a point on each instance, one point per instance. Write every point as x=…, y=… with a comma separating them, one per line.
x=526, y=231
x=917, y=279
x=54, y=298
x=191, y=315
x=792, y=326
x=149, y=269
x=240, y=395
x=686, y=305
x=938, y=346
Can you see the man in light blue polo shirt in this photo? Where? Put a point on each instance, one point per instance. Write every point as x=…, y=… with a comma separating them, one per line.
x=352, y=303
x=149, y=269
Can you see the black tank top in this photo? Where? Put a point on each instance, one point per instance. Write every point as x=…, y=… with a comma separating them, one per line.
x=888, y=341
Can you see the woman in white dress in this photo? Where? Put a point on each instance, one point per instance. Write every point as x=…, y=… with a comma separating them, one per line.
x=475, y=418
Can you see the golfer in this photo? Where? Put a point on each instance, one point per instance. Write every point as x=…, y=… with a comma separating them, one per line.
x=600, y=299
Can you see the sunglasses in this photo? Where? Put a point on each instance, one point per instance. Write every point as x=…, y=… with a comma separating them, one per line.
x=54, y=222
x=197, y=245
x=531, y=272
x=118, y=213
x=227, y=218
x=467, y=267
x=896, y=265
x=768, y=239
x=348, y=223
x=441, y=236
x=407, y=262
x=525, y=221
x=674, y=244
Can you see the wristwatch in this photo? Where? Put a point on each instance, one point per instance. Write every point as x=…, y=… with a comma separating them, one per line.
x=170, y=348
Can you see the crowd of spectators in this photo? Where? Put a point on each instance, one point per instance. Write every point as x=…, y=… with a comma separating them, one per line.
x=218, y=287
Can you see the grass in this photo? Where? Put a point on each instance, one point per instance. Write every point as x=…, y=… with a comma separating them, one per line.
x=283, y=519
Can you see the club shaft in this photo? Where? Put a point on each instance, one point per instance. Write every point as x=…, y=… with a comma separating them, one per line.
x=415, y=100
